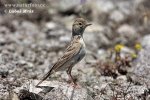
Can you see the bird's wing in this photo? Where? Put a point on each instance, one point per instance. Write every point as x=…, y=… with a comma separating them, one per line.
x=72, y=49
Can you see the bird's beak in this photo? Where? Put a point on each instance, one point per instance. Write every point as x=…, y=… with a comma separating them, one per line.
x=88, y=24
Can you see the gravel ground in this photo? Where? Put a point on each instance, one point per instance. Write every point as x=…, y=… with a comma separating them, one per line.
x=31, y=43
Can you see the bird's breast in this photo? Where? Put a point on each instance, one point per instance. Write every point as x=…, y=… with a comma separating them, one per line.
x=82, y=42
x=82, y=51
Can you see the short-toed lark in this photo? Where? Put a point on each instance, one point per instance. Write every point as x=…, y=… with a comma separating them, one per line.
x=73, y=53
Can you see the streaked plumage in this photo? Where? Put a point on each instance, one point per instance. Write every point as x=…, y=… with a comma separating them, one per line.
x=74, y=52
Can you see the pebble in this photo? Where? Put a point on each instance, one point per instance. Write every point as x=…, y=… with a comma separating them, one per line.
x=117, y=16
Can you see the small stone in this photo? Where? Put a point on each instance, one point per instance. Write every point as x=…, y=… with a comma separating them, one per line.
x=26, y=95
x=126, y=51
x=4, y=71
x=137, y=90
x=103, y=86
x=4, y=30
x=64, y=38
x=66, y=5
x=14, y=96
x=30, y=65
x=102, y=54
x=122, y=79
x=104, y=6
x=125, y=7
x=22, y=62
x=141, y=67
x=50, y=25
x=145, y=41
x=117, y=16
x=96, y=87
x=126, y=30
x=30, y=27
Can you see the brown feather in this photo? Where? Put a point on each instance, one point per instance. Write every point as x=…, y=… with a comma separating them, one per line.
x=72, y=50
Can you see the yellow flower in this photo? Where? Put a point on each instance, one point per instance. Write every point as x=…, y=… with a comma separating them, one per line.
x=118, y=47
x=138, y=46
x=133, y=55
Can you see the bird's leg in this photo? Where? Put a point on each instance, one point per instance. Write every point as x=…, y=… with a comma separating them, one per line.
x=70, y=76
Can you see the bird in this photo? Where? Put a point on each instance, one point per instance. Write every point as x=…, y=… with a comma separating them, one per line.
x=74, y=52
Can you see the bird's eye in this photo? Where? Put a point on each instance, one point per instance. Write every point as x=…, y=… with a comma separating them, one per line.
x=80, y=23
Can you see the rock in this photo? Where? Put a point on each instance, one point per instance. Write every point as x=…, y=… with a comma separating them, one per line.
x=51, y=25
x=3, y=92
x=102, y=40
x=55, y=94
x=56, y=33
x=4, y=71
x=66, y=5
x=102, y=54
x=55, y=90
x=110, y=86
x=14, y=96
x=90, y=58
x=3, y=41
x=137, y=90
x=70, y=93
x=145, y=41
x=117, y=16
x=128, y=7
x=26, y=95
x=65, y=38
x=126, y=30
x=29, y=27
x=125, y=7
x=4, y=29
x=141, y=73
x=97, y=39
x=30, y=65
x=104, y=6
x=67, y=22
x=148, y=97
x=90, y=42
x=121, y=79
x=99, y=10
x=1, y=19
x=126, y=51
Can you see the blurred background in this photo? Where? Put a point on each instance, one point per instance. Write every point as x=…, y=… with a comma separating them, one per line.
x=118, y=43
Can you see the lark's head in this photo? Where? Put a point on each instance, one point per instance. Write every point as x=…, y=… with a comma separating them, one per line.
x=79, y=26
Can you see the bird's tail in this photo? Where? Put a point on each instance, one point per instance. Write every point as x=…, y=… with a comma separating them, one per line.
x=44, y=77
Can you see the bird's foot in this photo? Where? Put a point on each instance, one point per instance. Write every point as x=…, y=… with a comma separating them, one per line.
x=75, y=85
